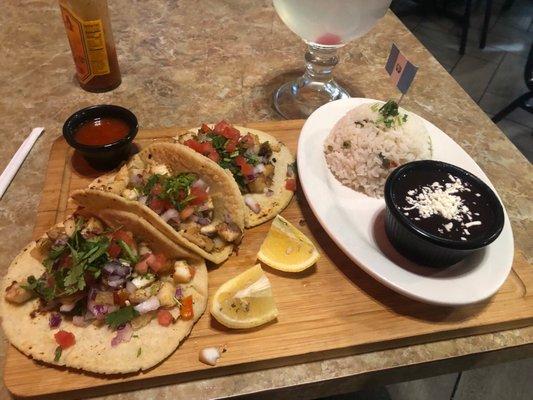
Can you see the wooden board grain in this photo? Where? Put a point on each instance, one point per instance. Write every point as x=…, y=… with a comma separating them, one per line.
x=332, y=309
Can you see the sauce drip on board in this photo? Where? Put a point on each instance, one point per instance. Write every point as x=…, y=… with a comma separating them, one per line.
x=101, y=131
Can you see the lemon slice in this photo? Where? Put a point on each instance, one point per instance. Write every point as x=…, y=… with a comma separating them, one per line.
x=245, y=301
x=286, y=248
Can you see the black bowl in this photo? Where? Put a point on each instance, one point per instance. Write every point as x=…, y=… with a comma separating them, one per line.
x=108, y=156
x=425, y=247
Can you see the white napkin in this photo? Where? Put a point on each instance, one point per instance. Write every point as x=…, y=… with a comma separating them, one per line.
x=17, y=160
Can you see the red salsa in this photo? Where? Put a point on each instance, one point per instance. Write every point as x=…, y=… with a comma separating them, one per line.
x=101, y=131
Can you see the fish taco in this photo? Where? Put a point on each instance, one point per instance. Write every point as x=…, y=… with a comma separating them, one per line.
x=187, y=197
x=262, y=166
x=104, y=292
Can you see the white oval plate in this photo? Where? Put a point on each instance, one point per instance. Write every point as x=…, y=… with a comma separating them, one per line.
x=356, y=222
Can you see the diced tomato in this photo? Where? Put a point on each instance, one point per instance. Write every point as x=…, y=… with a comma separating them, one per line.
x=65, y=261
x=200, y=196
x=246, y=168
x=186, y=213
x=164, y=317
x=159, y=205
x=205, y=128
x=157, y=189
x=157, y=263
x=205, y=148
x=126, y=237
x=142, y=266
x=64, y=339
x=193, y=144
x=290, y=184
x=114, y=250
x=247, y=141
x=231, y=146
x=186, y=310
x=120, y=297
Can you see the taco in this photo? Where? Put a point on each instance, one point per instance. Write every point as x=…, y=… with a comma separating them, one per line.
x=104, y=292
x=262, y=166
x=188, y=198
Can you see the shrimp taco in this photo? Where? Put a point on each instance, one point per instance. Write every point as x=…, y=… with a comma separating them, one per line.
x=187, y=197
x=104, y=292
x=262, y=166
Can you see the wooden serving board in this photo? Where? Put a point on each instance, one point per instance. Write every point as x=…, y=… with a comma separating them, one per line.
x=332, y=309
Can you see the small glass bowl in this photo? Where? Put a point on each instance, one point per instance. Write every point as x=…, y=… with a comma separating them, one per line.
x=422, y=246
x=107, y=156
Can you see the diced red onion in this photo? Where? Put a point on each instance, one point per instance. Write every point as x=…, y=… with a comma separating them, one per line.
x=130, y=287
x=269, y=193
x=61, y=241
x=136, y=179
x=116, y=268
x=124, y=334
x=142, y=199
x=259, y=169
x=252, y=203
x=54, y=321
x=194, y=218
x=116, y=281
x=291, y=173
x=89, y=316
x=148, y=305
x=67, y=307
x=199, y=184
x=178, y=294
x=203, y=221
x=171, y=213
x=79, y=320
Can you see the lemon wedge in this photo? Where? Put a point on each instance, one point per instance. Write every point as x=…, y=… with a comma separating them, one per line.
x=286, y=248
x=245, y=301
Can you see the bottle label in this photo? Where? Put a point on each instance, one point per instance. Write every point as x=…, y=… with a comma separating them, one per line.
x=87, y=42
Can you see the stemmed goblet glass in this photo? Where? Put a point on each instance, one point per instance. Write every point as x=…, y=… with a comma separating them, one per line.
x=326, y=26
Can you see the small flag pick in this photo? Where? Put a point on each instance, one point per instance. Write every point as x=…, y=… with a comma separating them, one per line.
x=401, y=70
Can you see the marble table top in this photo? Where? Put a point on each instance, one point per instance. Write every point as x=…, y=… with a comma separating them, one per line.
x=185, y=62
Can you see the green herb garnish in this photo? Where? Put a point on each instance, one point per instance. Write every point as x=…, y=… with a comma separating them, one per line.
x=121, y=316
x=67, y=265
x=389, y=114
x=58, y=353
x=128, y=252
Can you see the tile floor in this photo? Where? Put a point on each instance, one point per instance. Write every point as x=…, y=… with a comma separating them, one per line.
x=493, y=77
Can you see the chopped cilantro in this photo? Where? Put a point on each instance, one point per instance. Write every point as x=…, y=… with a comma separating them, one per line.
x=121, y=316
x=128, y=252
x=389, y=114
x=150, y=184
x=39, y=287
x=58, y=353
x=67, y=265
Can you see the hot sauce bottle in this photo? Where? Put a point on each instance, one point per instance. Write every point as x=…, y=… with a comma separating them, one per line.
x=91, y=42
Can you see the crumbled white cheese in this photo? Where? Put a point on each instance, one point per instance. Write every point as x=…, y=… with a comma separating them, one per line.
x=444, y=200
x=473, y=223
x=439, y=200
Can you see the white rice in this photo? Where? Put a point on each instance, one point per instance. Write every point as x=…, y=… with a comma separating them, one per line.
x=361, y=153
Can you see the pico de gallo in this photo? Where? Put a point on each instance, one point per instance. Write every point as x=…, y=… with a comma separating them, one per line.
x=183, y=201
x=251, y=161
x=107, y=277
